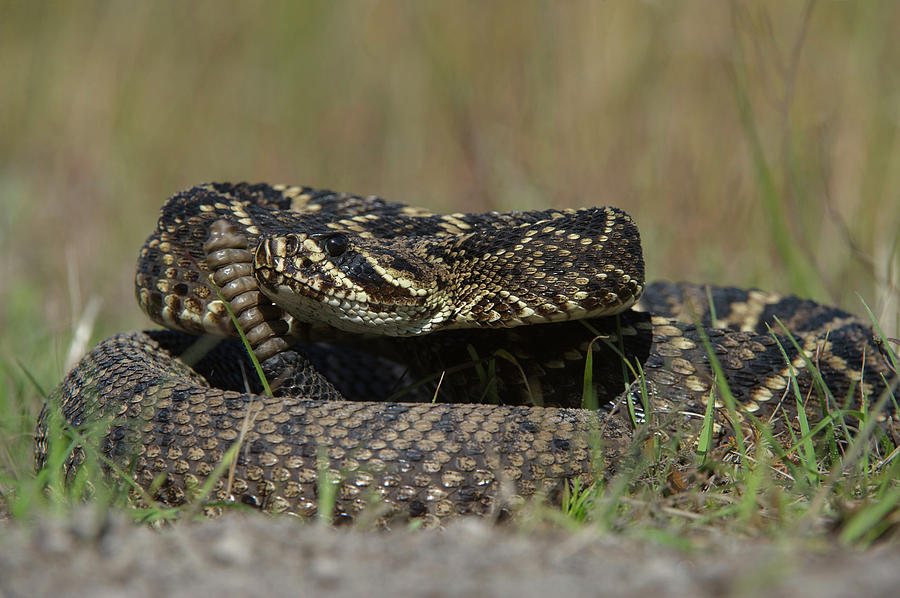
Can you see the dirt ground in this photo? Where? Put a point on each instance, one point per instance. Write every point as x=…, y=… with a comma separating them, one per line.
x=250, y=556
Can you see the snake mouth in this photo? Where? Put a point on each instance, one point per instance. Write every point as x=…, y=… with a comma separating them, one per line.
x=345, y=312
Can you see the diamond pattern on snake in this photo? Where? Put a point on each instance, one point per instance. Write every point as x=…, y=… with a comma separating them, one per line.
x=431, y=364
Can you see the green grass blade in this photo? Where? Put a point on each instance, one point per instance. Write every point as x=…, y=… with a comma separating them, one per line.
x=588, y=392
x=704, y=444
x=253, y=359
x=868, y=523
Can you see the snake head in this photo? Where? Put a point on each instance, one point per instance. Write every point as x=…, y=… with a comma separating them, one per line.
x=352, y=283
x=535, y=268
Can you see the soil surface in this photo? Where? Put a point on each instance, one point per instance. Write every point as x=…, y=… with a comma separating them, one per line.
x=248, y=556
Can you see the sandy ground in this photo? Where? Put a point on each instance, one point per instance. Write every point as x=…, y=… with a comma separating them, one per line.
x=257, y=556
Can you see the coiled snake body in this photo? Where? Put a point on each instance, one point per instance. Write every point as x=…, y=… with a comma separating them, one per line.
x=363, y=311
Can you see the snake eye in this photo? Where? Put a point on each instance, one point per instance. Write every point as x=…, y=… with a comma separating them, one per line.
x=336, y=245
x=291, y=244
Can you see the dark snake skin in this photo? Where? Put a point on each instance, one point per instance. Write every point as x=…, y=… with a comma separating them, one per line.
x=510, y=421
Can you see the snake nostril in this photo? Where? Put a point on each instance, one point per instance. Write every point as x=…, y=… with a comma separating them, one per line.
x=336, y=245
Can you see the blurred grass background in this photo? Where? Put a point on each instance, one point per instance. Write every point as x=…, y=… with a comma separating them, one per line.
x=755, y=143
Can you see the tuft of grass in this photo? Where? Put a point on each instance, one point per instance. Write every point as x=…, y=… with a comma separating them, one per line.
x=789, y=492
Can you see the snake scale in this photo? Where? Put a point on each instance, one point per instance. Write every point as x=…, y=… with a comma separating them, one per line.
x=431, y=365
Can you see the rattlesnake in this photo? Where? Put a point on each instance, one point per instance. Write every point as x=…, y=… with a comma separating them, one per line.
x=497, y=311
